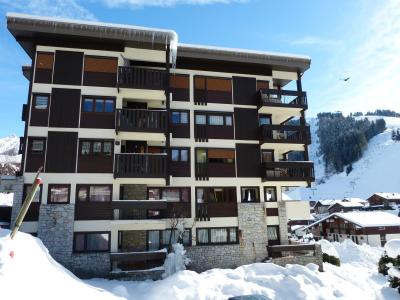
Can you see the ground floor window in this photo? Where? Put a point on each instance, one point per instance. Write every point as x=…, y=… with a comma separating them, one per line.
x=91, y=241
x=59, y=193
x=273, y=233
x=209, y=236
x=250, y=194
x=158, y=239
x=172, y=194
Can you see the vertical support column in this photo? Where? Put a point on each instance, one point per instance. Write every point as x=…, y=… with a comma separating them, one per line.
x=298, y=82
x=168, y=96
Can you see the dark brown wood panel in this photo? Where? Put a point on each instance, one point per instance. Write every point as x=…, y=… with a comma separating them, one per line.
x=39, y=117
x=95, y=162
x=179, y=87
x=68, y=68
x=61, y=152
x=272, y=212
x=248, y=160
x=244, y=91
x=44, y=67
x=100, y=71
x=35, y=159
x=93, y=211
x=246, y=124
x=64, y=110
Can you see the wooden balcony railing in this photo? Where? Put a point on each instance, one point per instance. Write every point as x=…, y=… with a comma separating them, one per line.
x=205, y=211
x=133, y=261
x=141, y=120
x=138, y=165
x=283, y=98
x=285, y=134
x=288, y=170
x=291, y=250
x=142, y=78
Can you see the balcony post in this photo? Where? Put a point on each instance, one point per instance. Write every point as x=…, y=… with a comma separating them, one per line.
x=298, y=82
x=167, y=134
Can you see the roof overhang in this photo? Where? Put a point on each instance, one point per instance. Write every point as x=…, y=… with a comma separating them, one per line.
x=28, y=28
x=278, y=61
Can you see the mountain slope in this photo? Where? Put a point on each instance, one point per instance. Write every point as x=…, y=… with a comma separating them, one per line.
x=9, y=158
x=377, y=171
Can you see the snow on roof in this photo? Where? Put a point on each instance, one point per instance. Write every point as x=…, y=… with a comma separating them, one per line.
x=359, y=200
x=327, y=202
x=348, y=204
x=365, y=219
x=389, y=196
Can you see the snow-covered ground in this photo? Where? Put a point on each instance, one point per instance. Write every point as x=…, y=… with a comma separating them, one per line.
x=6, y=199
x=33, y=274
x=376, y=171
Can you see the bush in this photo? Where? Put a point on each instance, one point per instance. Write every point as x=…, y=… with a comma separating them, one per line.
x=383, y=268
x=382, y=264
x=330, y=259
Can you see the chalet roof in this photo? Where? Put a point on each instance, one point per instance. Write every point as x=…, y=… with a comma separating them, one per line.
x=365, y=219
x=347, y=204
x=389, y=196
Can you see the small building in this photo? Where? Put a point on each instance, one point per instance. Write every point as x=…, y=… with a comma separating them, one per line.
x=321, y=206
x=345, y=206
x=384, y=199
x=373, y=227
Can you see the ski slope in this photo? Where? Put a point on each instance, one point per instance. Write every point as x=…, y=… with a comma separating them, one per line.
x=377, y=171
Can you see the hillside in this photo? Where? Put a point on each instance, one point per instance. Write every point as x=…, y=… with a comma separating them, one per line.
x=376, y=171
x=9, y=158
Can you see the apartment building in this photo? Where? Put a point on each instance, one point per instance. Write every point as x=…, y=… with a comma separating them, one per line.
x=136, y=132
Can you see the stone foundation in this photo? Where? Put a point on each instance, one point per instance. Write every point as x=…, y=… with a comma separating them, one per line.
x=15, y=186
x=89, y=265
x=283, y=229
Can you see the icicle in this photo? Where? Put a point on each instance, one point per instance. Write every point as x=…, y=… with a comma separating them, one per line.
x=173, y=51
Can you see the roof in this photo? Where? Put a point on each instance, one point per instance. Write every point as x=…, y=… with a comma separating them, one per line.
x=365, y=219
x=326, y=202
x=347, y=204
x=389, y=196
x=300, y=63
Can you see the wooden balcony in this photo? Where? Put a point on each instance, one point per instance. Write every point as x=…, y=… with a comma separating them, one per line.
x=289, y=134
x=142, y=78
x=288, y=171
x=283, y=98
x=205, y=211
x=134, y=261
x=140, y=165
x=141, y=120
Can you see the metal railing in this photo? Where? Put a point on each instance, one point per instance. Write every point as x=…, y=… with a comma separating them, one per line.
x=140, y=165
x=142, y=120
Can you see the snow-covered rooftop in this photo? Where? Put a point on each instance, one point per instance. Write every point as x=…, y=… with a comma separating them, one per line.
x=389, y=196
x=348, y=204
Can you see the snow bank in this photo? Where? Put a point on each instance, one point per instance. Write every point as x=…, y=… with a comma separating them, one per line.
x=6, y=199
x=328, y=248
x=392, y=248
x=33, y=274
x=176, y=261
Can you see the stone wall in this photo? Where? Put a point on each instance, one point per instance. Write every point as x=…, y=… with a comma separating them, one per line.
x=283, y=228
x=134, y=240
x=134, y=192
x=301, y=260
x=56, y=228
x=89, y=265
x=13, y=185
x=253, y=232
x=208, y=257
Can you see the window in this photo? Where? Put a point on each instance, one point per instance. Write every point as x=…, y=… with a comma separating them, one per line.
x=180, y=117
x=181, y=155
x=250, y=194
x=38, y=195
x=94, y=193
x=41, y=102
x=215, y=194
x=228, y=120
x=270, y=194
x=98, y=105
x=91, y=241
x=216, y=120
x=154, y=194
x=166, y=236
x=272, y=233
x=225, y=156
x=217, y=236
x=264, y=120
x=58, y=193
x=85, y=149
x=267, y=156
x=107, y=148
x=96, y=148
x=200, y=120
x=175, y=194
x=37, y=146
x=201, y=156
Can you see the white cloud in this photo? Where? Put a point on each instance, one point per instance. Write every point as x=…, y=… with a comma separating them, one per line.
x=54, y=8
x=314, y=41
x=373, y=63
x=165, y=3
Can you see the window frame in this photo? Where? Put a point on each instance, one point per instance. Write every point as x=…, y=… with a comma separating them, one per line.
x=91, y=148
x=86, y=233
x=276, y=194
x=58, y=185
x=161, y=189
x=161, y=241
x=207, y=193
x=180, y=112
x=94, y=99
x=218, y=243
x=180, y=149
x=257, y=200
x=34, y=97
x=25, y=192
x=87, y=186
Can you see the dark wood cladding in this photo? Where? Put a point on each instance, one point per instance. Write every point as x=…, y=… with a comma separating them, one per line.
x=68, y=68
x=95, y=163
x=141, y=78
x=206, y=170
x=141, y=120
x=212, y=89
x=244, y=90
x=181, y=130
x=61, y=152
x=248, y=160
x=290, y=134
x=272, y=212
x=203, y=132
x=283, y=98
x=223, y=66
x=35, y=160
x=205, y=211
x=64, y=109
x=146, y=204
x=97, y=120
x=85, y=211
x=178, y=210
x=246, y=124
x=288, y=171
x=44, y=67
x=140, y=166
x=39, y=117
x=130, y=257
x=179, y=168
x=179, y=87
x=100, y=71
x=32, y=215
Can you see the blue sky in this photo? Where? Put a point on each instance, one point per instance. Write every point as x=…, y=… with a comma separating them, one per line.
x=358, y=38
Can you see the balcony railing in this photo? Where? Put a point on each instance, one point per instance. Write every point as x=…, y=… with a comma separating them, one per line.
x=283, y=98
x=288, y=171
x=205, y=211
x=134, y=261
x=285, y=134
x=141, y=120
x=142, y=78
x=138, y=165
